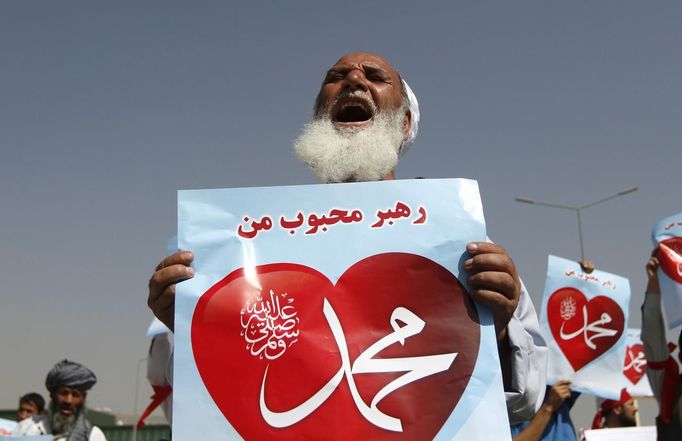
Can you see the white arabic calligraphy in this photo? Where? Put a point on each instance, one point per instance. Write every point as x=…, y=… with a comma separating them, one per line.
x=636, y=362
x=567, y=309
x=269, y=328
x=415, y=368
x=593, y=327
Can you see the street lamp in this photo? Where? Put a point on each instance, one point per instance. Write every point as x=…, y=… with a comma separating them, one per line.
x=578, y=210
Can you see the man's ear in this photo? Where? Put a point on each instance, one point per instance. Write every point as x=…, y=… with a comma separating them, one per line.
x=618, y=410
x=407, y=123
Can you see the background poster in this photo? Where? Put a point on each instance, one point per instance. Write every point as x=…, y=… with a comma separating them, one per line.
x=667, y=235
x=28, y=438
x=644, y=433
x=584, y=317
x=635, y=365
x=6, y=426
x=333, y=309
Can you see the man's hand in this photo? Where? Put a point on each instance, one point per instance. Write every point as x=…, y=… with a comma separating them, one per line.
x=173, y=269
x=494, y=282
x=557, y=394
x=652, y=286
x=587, y=266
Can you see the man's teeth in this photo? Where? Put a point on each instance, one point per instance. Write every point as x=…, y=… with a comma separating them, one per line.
x=353, y=111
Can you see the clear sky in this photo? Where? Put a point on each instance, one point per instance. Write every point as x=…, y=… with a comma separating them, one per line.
x=107, y=108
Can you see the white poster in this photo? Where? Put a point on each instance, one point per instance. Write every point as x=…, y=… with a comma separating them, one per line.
x=635, y=366
x=336, y=311
x=583, y=318
x=644, y=433
x=667, y=236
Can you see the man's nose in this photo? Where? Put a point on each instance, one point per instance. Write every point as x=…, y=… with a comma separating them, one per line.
x=355, y=80
x=68, y=398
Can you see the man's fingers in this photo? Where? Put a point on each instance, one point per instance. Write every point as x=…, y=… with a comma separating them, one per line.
x=475, y=248
x=164, y=300
x=173, y=269
x=167, y=316
x=490, y=257
x=493, y=280
x=564, y=389
x=167, y=276
x=586, y=266
x=494, y=300
x=162, y=304
x=490, y=262
x=179, y=257
x=651, y=266
x=501, y=282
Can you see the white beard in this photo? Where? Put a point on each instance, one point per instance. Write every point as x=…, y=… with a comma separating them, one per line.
x=61, y=424
x=347, y=154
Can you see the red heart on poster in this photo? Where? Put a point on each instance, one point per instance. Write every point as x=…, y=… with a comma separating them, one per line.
x=286, y=354
x=635, y=363
x=583, y=330
x=669, y=256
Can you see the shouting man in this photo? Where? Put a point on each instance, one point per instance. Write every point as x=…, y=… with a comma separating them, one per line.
x=365, y=118
x=68, y=383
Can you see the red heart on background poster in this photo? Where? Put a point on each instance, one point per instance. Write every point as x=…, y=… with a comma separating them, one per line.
x=566, y=309
x=635, y=363
x=669, y=256
x=364, y=300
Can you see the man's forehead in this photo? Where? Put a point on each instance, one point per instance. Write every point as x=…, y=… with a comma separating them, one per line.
x=69, y=389
x=355, y=59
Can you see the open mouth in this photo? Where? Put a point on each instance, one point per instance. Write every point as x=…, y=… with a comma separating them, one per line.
x=353, y=111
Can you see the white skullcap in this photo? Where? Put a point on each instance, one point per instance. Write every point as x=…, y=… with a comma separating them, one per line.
x=414, y=123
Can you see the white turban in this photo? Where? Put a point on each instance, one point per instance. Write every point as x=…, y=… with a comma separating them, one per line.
x=414, y=123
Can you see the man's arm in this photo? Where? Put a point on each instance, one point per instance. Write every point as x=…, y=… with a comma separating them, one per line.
x=31, y=426
x=522, y=349
x=555, y=397
x=96, y=434
x=528, y=362
x=161, y=300
x=159, y=367
x=653, y=327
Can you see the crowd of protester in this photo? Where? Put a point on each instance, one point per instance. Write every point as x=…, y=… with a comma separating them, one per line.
x=358, y=89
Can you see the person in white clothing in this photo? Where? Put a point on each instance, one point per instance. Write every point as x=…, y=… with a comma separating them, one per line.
x=68, y=383
x=365, y=118
x=663, y=370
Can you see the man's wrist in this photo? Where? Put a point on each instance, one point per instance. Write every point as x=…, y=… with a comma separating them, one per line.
x=547, y=408
x=504, y=351
x=652, y=286
x=502, y=337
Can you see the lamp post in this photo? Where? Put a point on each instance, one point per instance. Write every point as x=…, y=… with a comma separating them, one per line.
x=578, y=210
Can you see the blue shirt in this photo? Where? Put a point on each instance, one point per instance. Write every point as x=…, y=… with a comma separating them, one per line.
x=559, y=427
